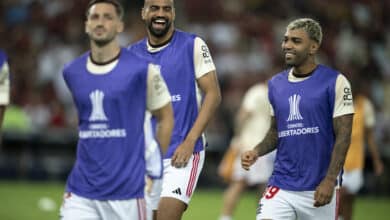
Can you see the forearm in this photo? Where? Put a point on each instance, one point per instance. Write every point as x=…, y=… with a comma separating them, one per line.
x=270, y=141
x=163, y=136
x=210, y=104
x=342, y=126
x=165, y=123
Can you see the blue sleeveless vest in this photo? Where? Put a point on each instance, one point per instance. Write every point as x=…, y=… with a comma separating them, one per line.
x=304, y=115
x=110, y=162
x=177, y=68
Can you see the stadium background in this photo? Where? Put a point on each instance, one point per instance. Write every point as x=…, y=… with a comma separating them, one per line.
x=244, y=36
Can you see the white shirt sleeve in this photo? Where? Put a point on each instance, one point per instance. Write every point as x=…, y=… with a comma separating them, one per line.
x=203, y=62
x=343, y=97
x=369, y=113
x=157, y=92
x=249, y=101
x=4, y=84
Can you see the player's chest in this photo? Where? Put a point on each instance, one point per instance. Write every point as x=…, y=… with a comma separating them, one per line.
x=176, y=64
x=300, y=98
x=108, y=87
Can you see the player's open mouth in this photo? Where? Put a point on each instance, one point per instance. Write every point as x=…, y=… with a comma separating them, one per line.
x=289, y=55
x=159, y=23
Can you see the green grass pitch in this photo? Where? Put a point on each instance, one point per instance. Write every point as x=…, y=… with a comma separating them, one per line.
x=41, y=201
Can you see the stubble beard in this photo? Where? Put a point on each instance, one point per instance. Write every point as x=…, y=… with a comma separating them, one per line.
x=103, y=42
x=159, y=33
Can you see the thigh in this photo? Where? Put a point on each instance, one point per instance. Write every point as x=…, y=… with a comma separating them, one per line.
x=78, y=208
x=122, y=209
x=275, y=204
x=180, y=183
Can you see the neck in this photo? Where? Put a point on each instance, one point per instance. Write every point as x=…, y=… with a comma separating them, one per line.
x=105, y=53
x=157, y=41
x=305, y=69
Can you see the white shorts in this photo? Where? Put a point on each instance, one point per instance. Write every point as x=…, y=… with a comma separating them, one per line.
x=353, y=180
x=180, y=183
x=291, y=205
x=79, y=208
x=258, y=173
x=152, y=197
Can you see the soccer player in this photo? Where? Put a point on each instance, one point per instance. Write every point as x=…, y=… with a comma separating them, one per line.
x=189, y=72
x=4, y=84
x=312, y=111
x=362, y=130
x=112, y=88
x=252, y=123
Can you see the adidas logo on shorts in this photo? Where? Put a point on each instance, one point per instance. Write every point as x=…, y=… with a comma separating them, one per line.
x=258, y=210
x=177, y=191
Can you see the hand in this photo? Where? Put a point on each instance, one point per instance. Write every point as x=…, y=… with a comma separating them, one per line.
x=182, y=154
x=248, y=158
x=324, y=192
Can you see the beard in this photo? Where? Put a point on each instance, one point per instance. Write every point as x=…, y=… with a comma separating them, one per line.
x=298, y=60
x=101, y=42
x=158, y=33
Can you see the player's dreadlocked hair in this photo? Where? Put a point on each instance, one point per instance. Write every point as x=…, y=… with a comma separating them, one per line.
x=115, y=3
x=312, y=28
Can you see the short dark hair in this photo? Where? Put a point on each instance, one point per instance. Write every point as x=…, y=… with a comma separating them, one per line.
x=118, y=6
x=312, y=28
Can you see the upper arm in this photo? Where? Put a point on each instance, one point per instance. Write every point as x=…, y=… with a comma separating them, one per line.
x=343, y=103
x=209, y=83
x=163, y=112
x=343, y=108
x=342, y=125
x=158, y=95
x=203, y=62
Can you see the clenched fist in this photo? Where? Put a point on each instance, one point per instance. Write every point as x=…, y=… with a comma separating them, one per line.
x=248, y=158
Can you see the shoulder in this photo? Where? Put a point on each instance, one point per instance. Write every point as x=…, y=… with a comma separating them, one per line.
x=139, y=45
x=133, y=56
x=185, y=34
x=279, y=77
x=327, y=71
x=254, y=92
x=257, y=88
x=76, y=63
x=184, y=37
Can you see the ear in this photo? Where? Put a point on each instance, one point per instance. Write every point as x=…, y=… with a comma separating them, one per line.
x=314, y=47
x=121, y=27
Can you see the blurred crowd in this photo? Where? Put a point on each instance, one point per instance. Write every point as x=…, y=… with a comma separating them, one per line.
x=244, y=37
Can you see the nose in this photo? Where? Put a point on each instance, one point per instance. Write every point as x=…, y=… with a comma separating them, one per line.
x=286, y=45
